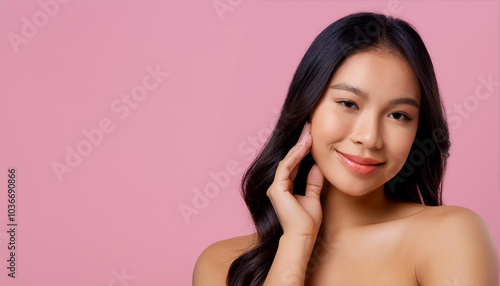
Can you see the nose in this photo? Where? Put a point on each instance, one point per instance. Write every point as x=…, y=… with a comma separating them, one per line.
x=366, y=131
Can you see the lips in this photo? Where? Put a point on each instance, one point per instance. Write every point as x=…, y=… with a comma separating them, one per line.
x=358, y=164
x=360, y=160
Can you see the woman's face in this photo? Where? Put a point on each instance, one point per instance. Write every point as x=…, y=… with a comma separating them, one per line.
x=369, y=110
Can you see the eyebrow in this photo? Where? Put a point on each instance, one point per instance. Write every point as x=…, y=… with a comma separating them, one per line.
x=363, y=95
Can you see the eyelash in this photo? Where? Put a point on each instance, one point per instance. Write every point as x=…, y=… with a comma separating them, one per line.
x=406, y=118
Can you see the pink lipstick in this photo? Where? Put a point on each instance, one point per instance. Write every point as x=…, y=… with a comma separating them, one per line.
x=358, y=164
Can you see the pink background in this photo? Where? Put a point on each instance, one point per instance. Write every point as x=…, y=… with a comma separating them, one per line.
x=117, y=213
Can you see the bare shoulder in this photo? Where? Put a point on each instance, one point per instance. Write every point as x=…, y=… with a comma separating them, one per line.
x=446, y=219
x=213, y=263
x=454, y=245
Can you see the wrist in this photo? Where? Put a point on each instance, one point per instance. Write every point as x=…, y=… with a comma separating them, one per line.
x=298, y=240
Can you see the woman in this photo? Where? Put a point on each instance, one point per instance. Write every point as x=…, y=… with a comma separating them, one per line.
x=347, y=191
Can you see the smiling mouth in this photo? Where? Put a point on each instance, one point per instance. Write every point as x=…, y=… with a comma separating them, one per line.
x=359, y=168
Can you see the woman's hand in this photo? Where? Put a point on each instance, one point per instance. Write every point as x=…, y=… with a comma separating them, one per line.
x=298, y=215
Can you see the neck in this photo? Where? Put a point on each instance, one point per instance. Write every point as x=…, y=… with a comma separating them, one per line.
x=342, y=212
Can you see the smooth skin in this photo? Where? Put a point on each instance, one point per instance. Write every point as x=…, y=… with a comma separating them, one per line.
x=345, y=231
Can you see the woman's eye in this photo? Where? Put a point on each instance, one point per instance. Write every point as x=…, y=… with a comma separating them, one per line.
x=401, y=117
x=347, y=104
x=396, y=115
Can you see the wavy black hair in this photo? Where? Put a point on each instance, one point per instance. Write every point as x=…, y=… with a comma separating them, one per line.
x=419, y=180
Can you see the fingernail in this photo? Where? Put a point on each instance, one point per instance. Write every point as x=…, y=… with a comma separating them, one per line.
x=304, y=138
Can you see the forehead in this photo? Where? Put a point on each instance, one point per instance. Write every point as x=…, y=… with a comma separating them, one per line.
x=378, y=73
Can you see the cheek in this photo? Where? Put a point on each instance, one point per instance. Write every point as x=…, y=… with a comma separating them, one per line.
x=326, y=131
x=399, y=146
x=329, y=127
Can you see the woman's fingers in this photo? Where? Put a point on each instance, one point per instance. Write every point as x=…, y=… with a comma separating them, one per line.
x=298, y=215
x=314, y=182
x=288, y=167
x=287, y=170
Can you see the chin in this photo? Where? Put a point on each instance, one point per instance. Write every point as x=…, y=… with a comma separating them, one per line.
x=354, y=187
x=357, y=193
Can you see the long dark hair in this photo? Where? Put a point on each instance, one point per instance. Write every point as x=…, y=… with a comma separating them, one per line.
x=420, y=179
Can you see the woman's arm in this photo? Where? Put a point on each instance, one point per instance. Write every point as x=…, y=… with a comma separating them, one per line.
x=290, y=262
x=457, y=249
x=299, y=216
